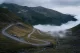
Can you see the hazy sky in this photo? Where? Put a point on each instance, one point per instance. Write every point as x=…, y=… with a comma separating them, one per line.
x=64, y=6
x=46, y=3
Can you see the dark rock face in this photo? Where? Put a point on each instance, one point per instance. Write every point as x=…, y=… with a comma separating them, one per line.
x=71, y=43
x=39, y=15
x=76, y=42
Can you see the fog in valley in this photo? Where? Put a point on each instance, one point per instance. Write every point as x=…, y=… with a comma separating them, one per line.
x=52, y=28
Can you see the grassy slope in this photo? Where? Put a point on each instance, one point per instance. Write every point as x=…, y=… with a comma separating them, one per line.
x=7, y=44
x=19, y=31
x=22, y=32
x=43, y=36
x=72, y=42
x=76, y=28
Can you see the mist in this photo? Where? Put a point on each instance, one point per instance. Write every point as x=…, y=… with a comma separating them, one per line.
x=62, y=27
x=56, y=29
x=66, y=7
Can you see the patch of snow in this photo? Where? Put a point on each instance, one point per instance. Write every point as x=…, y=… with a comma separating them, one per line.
x=22, y=11
x=19, y=12
x=5, y=7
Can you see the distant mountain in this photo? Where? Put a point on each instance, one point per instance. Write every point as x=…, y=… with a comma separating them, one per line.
x=39, y=15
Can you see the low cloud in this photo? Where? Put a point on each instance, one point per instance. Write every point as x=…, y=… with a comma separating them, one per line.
x=63, y=27
x=64, y=6
x=60, y=31
x=54, y=28
x=66, y=10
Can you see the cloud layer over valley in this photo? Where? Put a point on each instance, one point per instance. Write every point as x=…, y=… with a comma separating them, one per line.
x=66, y=10
x=64, y=6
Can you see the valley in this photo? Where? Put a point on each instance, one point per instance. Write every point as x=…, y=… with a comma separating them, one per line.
x=13, y=34
x=18, y=34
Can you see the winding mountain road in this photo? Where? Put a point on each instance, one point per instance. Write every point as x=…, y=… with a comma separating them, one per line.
x=21, y=39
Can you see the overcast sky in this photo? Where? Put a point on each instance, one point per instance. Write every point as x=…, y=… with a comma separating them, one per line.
x=46, y=3
x=64, y=6
x=60, y=5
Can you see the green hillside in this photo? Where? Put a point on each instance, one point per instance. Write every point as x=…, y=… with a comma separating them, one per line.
x=76, y=28
x=8, y=45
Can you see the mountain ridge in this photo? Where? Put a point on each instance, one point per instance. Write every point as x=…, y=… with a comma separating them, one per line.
x=39, y=15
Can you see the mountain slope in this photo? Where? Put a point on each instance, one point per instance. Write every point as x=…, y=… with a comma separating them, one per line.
x=74, y=39
x=16, y=35
x=39, y=15
x=8, y=44
x=76, y=28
